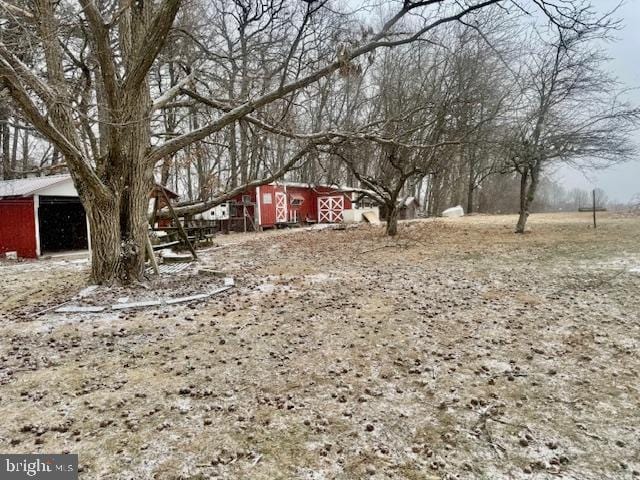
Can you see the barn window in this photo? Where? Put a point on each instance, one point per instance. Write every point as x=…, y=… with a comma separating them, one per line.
x=296, y=200
x=266, y=198
x=246, y=199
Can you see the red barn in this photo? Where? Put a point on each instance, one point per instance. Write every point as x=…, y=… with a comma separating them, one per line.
x=286, y=203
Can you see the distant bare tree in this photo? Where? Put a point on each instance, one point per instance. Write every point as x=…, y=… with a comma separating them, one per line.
x=571, y=112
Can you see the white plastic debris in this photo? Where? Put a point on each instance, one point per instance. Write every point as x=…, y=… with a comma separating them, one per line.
x=191, y=298
x=229, y=283
x=453, y=212
x=76, y=309
x=11, y=255
x=123, y=306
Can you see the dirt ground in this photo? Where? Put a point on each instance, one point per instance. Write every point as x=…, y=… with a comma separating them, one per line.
x=458, y=350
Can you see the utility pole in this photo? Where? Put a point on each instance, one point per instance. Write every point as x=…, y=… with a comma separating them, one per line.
x=594, y=208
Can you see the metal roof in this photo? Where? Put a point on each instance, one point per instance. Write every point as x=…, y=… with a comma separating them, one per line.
x=337, y=188
x=170, y=193
x=24, y=187
x=286, y=183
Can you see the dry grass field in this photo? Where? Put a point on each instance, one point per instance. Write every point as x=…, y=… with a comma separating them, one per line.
x=457, y=350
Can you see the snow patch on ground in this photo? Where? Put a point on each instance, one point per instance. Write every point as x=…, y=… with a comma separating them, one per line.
x=321, y=278
x=629, y=263
x=271, y=288
x=42, y=265
x=54, y=320
x=85, y=292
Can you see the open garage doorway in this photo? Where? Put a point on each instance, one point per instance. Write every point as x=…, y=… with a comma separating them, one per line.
x=62, y=224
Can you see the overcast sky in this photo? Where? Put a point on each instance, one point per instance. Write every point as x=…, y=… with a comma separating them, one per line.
x=623, y=181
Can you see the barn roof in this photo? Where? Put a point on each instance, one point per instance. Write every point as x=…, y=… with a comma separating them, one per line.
x=303, y=185
x=24, y=187
x=157, y=188
x=337, y=188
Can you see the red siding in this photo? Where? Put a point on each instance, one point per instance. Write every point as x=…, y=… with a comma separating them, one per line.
x=307, y=212
x=268, y=211
x=18, y=227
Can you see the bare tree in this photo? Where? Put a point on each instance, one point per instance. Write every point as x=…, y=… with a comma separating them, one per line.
x=83, y=81
x=411, y=100
x=571, y=112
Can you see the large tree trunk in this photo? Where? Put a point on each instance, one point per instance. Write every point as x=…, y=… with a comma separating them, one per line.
x=392, y=219
x=233, y=156
x=25, y=153
x=5, y=140
x=134, y=226
x=470, y=198
x=104, y=226
x=528, y=187
x=118, y=231
x=470, y=201
x=14, y=149
x=118, y=214
x=471, y=184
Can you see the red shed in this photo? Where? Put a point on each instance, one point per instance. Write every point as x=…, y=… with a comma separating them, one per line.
x=44, y=215
x=40, y=215
x=288, y=203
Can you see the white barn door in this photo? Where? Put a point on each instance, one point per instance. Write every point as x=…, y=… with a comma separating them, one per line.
x=281, y=207
x=330, y=209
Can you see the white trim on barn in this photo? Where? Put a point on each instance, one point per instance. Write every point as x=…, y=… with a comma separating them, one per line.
x=330, y=208
x=259, y=205
x=282, y=215
x=88, y=235
x=36, y=221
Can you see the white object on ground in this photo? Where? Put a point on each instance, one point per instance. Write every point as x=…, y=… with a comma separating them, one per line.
x=453, y=212
x=76, y=309
x=372, y=216
x=172, y=256
x=357, y=215
x=11, y=255
x=149, y=303
x=199, y=296
x=229, y=283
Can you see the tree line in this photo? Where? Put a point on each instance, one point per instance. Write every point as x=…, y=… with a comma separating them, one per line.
x=448, y=101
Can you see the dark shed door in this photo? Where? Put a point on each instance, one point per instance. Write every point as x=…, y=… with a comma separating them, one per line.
x=63, y=224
